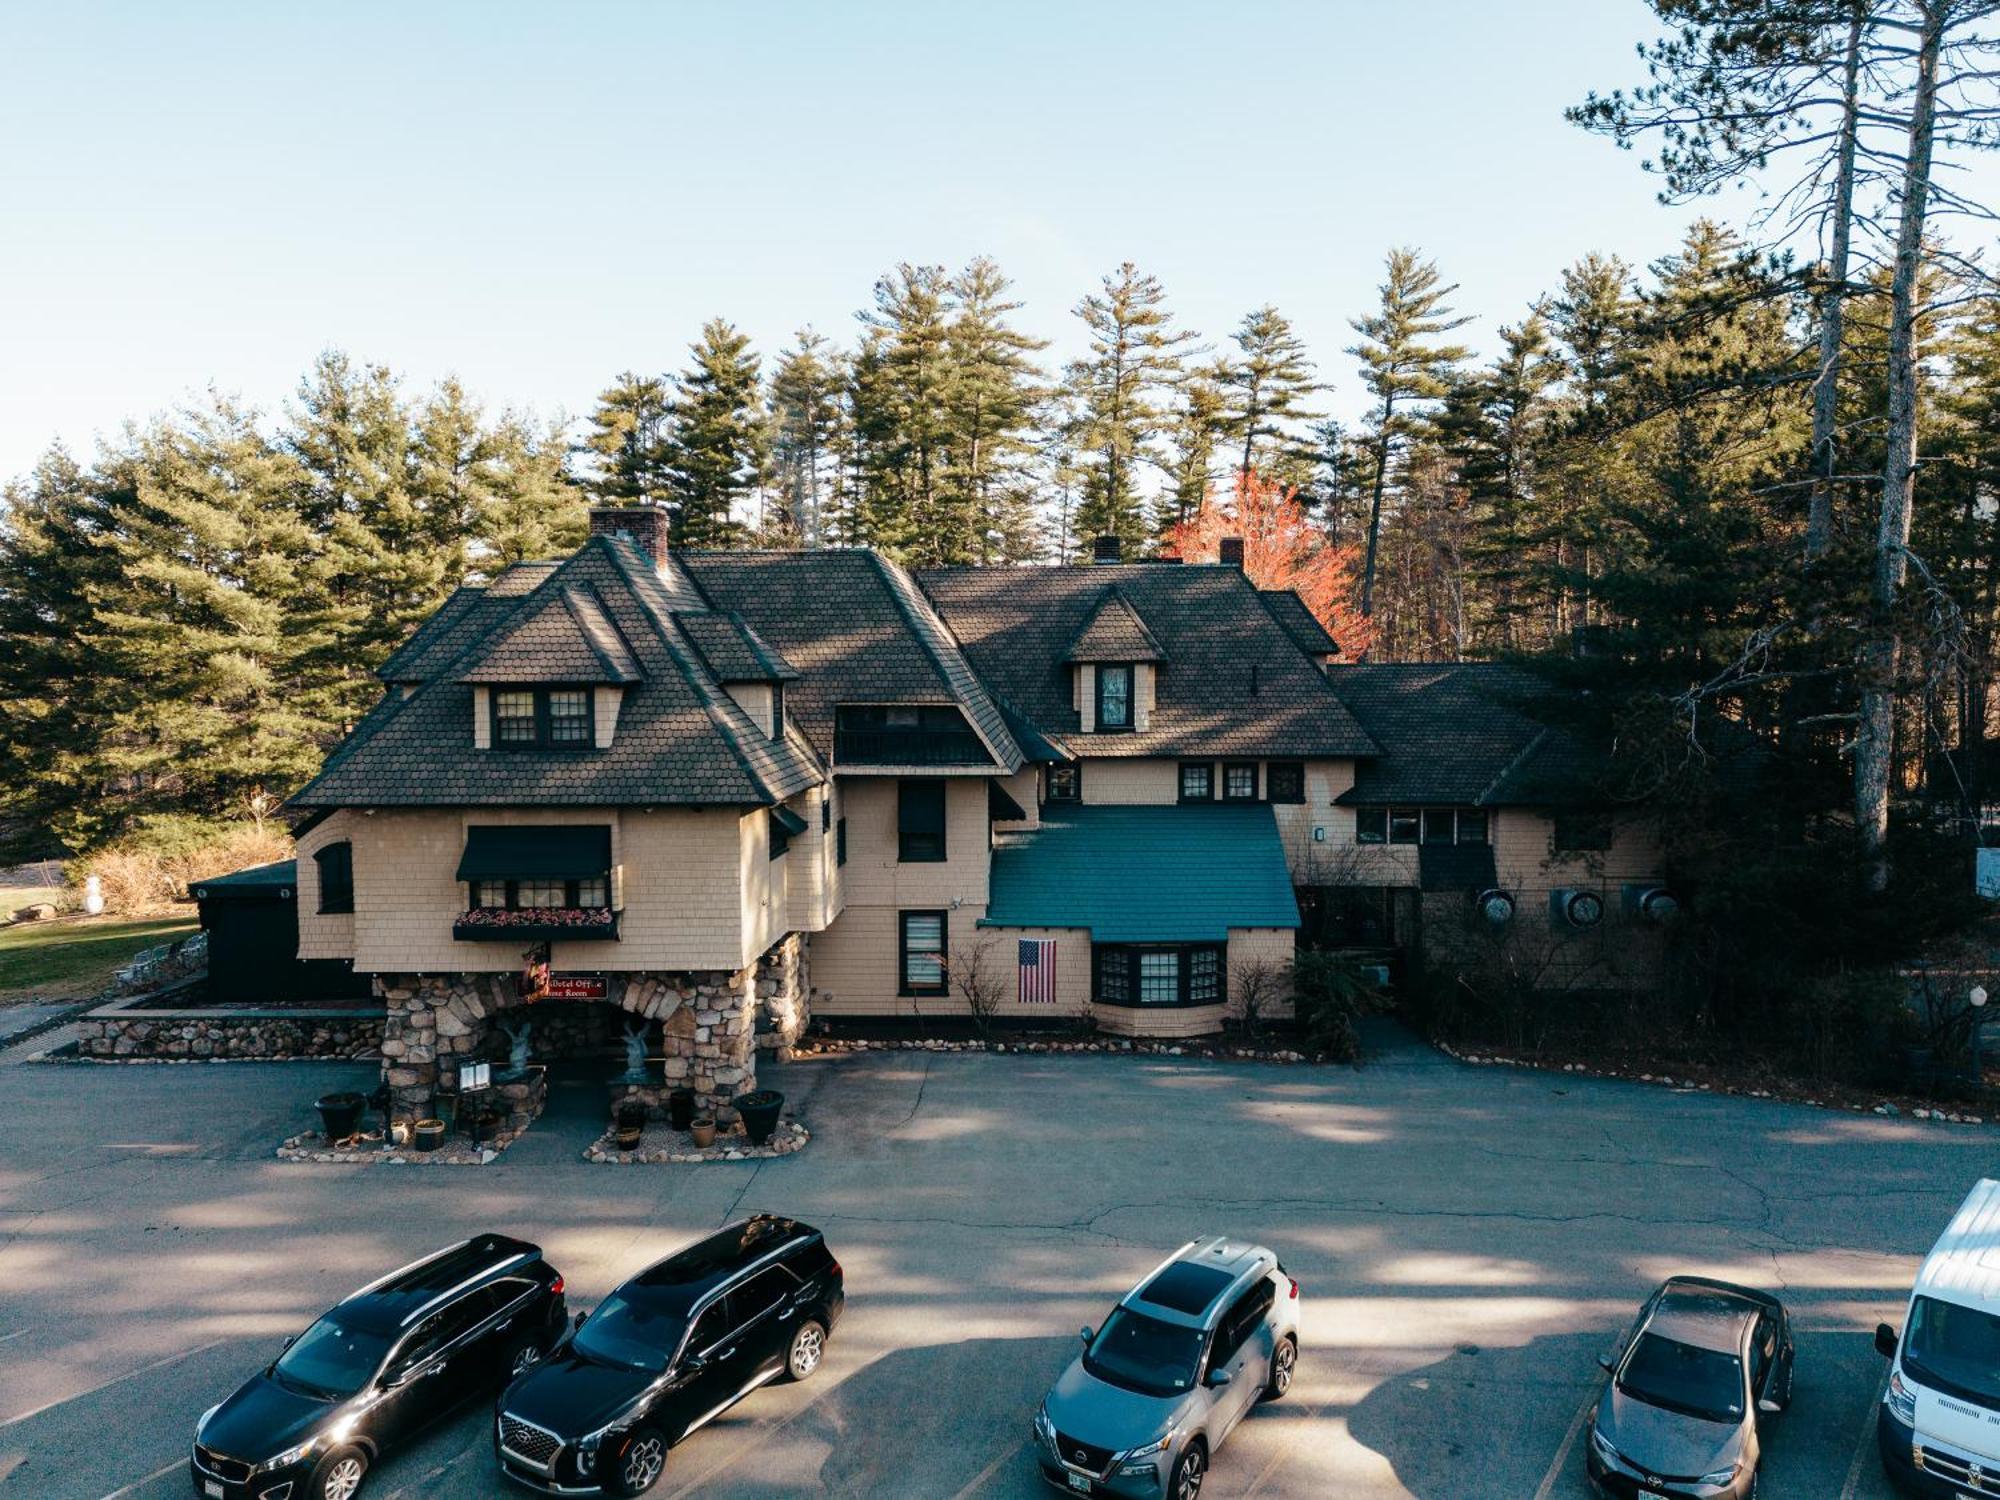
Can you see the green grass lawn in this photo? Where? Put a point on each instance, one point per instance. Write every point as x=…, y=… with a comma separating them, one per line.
x=76, y=955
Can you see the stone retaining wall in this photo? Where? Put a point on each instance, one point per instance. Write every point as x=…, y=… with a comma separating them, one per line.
x=114, y=1032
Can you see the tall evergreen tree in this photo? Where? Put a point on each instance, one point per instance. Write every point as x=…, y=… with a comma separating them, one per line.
x=905, y=373
x=1196, y=441
x=1269, y=382
x=806, y=421
x=627, y=442
x=1133, y=361
x=1406, y=371
x=991, y=400
x=718, y=445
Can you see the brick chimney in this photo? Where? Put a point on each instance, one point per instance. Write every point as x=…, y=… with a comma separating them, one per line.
x=1104, y=550
x=1232, y=553
x=644, y=525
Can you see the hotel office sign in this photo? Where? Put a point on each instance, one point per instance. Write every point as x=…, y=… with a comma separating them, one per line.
x=538, y=983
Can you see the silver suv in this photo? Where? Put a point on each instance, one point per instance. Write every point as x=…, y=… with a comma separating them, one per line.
x=1183, y=1356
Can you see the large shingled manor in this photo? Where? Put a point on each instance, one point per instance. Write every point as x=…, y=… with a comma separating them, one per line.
x=723, y=793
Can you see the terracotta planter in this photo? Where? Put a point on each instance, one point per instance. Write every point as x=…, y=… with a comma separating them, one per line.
x=702, y=1132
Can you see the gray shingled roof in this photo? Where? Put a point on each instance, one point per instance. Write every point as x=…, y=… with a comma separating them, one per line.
x=734, y=652
x=442, y=636
x=680, y=738
x=1458, y=732
x=1016, y=625
x=565, y=637
x=1299, y=622
x=1114, y=633
x=858, y=631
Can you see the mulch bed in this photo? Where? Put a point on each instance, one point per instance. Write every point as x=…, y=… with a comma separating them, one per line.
x=369, y=1148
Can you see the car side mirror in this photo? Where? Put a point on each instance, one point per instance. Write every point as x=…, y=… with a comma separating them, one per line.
x=1607, y=1362
x=1885, y=1341
x=395, y=1379
x=290, y=1340
x=1769, y=1407
x=1217, y=1379
x=1087, y=1333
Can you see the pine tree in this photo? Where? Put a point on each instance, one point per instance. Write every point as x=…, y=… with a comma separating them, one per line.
x=628, y=441
x=991, y=399
x=1196, y=440
x=903, y=383
x=1269, y=382
x=1134, y=358
x=1405, y=371
x=718, y=444
x=806, y=422
x=531, y=508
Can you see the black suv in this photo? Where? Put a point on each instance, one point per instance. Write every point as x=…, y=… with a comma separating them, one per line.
x=385, y=1363
x=671, y=1348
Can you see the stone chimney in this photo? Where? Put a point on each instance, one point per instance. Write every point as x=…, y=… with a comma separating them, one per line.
x=1232, y=553
x=1104, y=550
x=644, y=525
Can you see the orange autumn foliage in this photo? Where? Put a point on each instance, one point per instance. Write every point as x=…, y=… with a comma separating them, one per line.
x=1282, y=549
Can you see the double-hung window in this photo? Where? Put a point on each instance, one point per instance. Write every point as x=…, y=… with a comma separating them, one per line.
x=920, y=821
x=1114, y=697
x=514, y=717
x=1065, y=782
x=569, y=716
x=921, y=964
x=1197, y=781
x=542, y=718
x=1239, y=781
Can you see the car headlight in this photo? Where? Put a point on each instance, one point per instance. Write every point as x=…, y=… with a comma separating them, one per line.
x=1901, y=1400
x=202, y=1420
x=289, y=1457
x=1145, y=1460
x=1044, y=1428
x=1721, y=1476
x=1603, y=1447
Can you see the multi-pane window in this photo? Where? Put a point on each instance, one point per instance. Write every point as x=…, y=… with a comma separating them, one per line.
x=1239, y=782
x=540, y=893
x=1197, y=781
x=593, y=893
x=1204, y=976
x=1114, y=697
x=920, y=821
x=1065, y=782
x=1285, y=781
x=1159, y=978
x=1114, y=976
x=923, y=953
x=558, y=718
x=514, y=718
x=489, y=893
x=1425, y=825
x=518, y=895
x=569, y=716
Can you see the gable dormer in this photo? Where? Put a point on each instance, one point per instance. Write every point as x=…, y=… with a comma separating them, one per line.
x=553, y=682
x=1111, y=664
x=749, y=669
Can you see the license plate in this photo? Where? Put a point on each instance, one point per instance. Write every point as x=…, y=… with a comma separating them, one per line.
x=1652, y=1495
x=210, y=1487
x=1078, y=1483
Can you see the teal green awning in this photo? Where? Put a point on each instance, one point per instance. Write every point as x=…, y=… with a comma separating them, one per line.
x=788, y=820
x=1180, y=874
x=558, y=852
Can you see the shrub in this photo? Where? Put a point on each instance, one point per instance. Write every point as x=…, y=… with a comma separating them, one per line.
x=1331, y=990
x=149, y=869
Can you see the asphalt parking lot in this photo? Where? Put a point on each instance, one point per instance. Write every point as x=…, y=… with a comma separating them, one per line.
x=1468, y=1239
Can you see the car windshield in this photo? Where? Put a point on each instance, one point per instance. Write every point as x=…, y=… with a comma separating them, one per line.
x=1694, y=1382
x=1956, y=1349
x=331, y=1359
x=1143, y=1354
x=624, y=1332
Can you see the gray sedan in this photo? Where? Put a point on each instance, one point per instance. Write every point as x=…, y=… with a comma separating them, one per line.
x=1705, y=1363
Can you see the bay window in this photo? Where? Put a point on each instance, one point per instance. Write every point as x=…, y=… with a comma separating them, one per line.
x=1158, y=973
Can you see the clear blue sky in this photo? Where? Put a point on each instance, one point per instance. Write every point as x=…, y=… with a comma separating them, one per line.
x=536, y=197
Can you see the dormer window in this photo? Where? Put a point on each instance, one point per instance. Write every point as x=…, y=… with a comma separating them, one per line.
x=542, y=718
x=1114, y=697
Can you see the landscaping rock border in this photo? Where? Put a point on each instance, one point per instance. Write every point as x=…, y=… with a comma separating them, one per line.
x=1887, y=1108
x=790, y=1136
x=1196, y=1049
x=369, y=1149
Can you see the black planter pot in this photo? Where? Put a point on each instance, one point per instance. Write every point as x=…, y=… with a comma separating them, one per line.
x=428, y=1135
x=340, y=1114
x=631, y=1115
x=680, y=1108
x=760, y=1113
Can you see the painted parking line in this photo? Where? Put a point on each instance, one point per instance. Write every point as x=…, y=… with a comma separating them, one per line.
x=989, y=1471
x=1548, y=1484
x=1866, y=1441
x=8, y=1338
x=157, y=1364
x=138, y=1484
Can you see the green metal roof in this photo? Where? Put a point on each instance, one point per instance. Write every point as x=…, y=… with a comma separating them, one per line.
x=1182, y=874
x=257, y=882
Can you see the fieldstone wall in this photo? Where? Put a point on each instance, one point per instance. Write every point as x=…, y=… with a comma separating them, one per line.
x=706, y=1032
x=115, y=1034
x=784, y=994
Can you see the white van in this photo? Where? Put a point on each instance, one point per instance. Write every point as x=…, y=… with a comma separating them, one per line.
x=1939, y=1428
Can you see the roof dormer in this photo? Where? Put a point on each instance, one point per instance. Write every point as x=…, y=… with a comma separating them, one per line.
x=1111, y=662
x=749, y=669
x=553, y=682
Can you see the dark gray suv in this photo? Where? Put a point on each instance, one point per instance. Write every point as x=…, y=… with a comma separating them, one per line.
x=1212, y=1331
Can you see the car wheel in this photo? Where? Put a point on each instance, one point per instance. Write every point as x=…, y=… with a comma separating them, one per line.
x=807, y=1350
x=1284, y=1359
x=338, y=1476
x=523, y=1355
x=641, y=1461
x=1189, y=1473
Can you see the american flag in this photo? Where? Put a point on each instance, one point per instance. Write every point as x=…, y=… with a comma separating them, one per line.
x=1038, y=971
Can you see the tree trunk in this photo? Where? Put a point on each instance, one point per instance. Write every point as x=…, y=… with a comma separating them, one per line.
x=1874, y=746
x=1826, y=387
